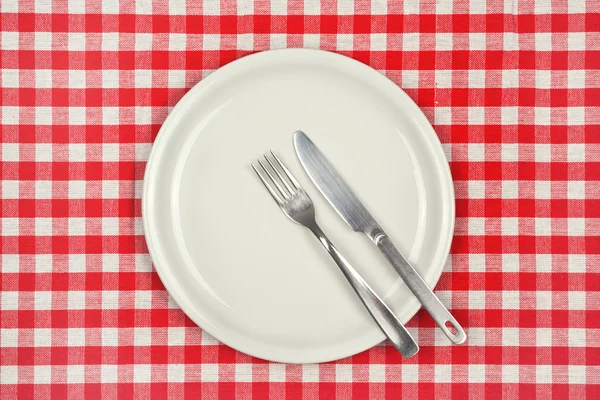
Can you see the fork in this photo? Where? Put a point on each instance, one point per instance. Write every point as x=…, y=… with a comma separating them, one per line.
x=297, y=206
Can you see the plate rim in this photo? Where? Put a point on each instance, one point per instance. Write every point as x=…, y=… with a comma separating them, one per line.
x=446, y=182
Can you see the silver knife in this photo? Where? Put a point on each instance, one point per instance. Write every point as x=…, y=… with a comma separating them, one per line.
x=348, y=206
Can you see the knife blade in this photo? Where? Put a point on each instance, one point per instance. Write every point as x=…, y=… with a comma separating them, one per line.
x=341, y=197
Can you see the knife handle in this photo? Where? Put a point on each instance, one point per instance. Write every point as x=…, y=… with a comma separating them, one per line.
x=385, y=318
x=422, y=292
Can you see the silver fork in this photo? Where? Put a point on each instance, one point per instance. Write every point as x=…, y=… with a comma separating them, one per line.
x=295, y=203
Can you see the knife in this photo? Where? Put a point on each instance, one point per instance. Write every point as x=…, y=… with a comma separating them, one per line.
x=348, y=206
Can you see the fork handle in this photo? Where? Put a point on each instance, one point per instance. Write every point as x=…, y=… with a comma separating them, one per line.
x=385, y=318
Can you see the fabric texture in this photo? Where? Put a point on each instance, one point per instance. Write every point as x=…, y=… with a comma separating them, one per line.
x=512, y=88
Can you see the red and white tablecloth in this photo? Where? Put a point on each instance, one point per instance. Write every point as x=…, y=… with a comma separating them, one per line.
x=511, y=87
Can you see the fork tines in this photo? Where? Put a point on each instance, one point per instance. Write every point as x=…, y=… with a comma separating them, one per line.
x=276, y=177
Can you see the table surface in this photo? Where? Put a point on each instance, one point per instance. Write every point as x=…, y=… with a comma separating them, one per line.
x=512, y=88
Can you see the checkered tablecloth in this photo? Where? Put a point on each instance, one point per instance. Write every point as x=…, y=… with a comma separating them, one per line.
x=512, y=89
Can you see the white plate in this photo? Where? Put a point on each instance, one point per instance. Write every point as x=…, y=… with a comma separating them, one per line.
x=227, y=254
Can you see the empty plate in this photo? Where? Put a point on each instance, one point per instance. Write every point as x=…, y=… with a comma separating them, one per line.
x=227, y=254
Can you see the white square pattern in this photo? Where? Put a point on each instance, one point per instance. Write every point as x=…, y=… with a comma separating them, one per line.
x=76, y=226
x=211, y=42
x=10, y=78
x=9, y=339
x=10, y=152
x=176, y=336
x=43, y=78
x=576, y=189
x=476, y=78
x=141, y=373
x=43, y=40
x=243, y=372
x=110, y=116
x=510, y=78
x=142, y=336
x=143, y=7
x=542, y=189
x=343, y=373
x=110, y=41
x=476, y=189
x=410, y=41
x=43, y=226
x=76, y=41
x=510, y=189
x=476, y=262
x=110, y=299
x=77, y=262
x=143, y=300
x=43, y=152
x=10, y=264
x=77, y=79
x=476, y=152
x=77, y=116
x=376, y=373
x=75, y=373
x=176, y=373
x=378, y=41
x=9, y=115
x=576, y=79
x=110, y=6
x=442, y=372
x=443, y=41
x=411, y=6
x=476, y=373
x=576, y=152
x=10, y=226
x=476, y=226
x=110, y=78
x=476, y=115
x=344, y=41
x=510, y=226
x=76, y=337
x=143, y=78
x=477, y=41
x=510, y=262
x=209, y=373
x=542, y=79
x=143, y=41
x=9, y=300
x=510, y=336
x=410, y=79
x=43, y=115
x=109, y=373
x=510, y=152
x=76, y=300
x=43, y=189
x=42, y=337
x=42, y=374
x=110, y=336
x=10, y=40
